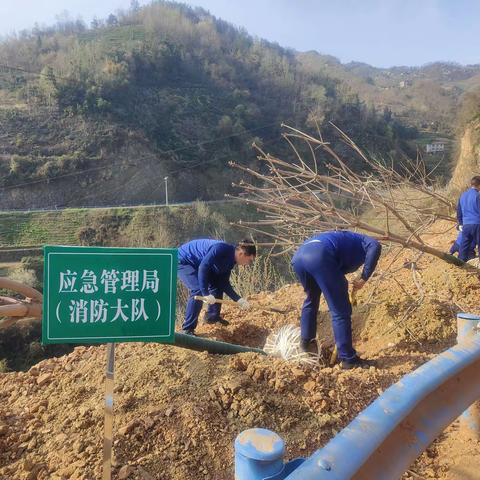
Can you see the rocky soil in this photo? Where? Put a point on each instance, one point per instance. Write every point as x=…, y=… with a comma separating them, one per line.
x=177, y=412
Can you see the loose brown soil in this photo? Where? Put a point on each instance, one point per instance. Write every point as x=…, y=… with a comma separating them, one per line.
x=177, y=412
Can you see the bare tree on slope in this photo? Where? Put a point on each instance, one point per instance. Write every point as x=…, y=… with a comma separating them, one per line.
x=395, y=204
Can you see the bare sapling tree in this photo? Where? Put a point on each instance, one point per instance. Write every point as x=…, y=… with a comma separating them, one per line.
x=416, y=194
x=320, y=191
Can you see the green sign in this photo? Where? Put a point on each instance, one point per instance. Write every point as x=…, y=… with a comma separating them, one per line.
x=97, y=294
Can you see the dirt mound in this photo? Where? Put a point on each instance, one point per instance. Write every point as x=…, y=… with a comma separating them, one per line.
x=177, y=412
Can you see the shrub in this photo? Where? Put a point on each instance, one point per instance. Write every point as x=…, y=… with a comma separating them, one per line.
x=34, y=264
x=102, y=229
x=3, y=366
x=27, y=277
x=267, y=273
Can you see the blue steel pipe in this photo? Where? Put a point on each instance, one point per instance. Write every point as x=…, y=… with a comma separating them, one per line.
x=467, y=327
x=258, y=454
x=385, y=439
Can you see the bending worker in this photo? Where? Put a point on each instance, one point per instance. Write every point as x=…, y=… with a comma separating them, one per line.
x=204, y=267
x=321, y=264
x=468, y=216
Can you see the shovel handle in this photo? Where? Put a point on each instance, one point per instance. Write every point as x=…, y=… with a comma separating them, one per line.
x=217, y=300
x=231, y=302
x=353, y=297
x=333, y=357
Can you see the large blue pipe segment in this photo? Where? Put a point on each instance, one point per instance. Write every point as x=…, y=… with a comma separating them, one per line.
x=386, y=438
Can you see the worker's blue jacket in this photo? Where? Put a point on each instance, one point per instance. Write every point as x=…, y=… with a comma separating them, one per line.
x=352, y=250
x=468, y=208
x=213, y=260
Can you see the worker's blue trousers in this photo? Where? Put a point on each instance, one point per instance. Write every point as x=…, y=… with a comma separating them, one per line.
x=470, y=236
x=318, y=270
x=188, y=275
x=456, y=248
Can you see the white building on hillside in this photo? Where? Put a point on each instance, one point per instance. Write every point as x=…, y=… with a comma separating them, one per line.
x=435, y=147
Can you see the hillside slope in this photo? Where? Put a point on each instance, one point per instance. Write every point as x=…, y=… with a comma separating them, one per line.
x=51, y=160
x=165, y=90
x=427, y=96
x=177, y=412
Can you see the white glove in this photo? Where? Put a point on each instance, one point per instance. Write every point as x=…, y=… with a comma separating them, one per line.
x=209, y=299
x=243, y=304
x=460, y=227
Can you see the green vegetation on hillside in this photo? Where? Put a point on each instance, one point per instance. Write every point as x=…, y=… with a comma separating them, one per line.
x=426, y=97
x=126, y=227
x=165, y=90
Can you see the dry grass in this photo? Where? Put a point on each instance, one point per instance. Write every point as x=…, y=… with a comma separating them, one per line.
x=267, y=273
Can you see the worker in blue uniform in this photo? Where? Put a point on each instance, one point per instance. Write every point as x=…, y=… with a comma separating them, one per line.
x=321, y=264
x=204, y=267
x=468, y=216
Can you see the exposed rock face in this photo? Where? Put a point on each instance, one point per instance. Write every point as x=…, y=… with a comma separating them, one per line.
x=468, y=162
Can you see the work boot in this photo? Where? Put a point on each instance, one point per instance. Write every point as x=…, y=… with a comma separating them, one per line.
x=189, y=332
x=309, y=346
x=357, y=362
x=212, y=320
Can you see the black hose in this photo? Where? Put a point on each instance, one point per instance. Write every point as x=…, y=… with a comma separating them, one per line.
x=211, y=346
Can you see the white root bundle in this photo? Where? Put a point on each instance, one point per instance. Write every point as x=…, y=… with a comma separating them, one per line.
x=286, y=344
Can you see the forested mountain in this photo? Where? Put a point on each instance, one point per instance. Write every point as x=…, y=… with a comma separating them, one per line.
x=164, y=90
x=426, y=97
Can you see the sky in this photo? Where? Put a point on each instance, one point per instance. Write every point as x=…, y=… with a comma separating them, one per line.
x=382, y=33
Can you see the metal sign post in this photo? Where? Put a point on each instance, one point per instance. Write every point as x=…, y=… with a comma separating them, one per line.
x=108, y=435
